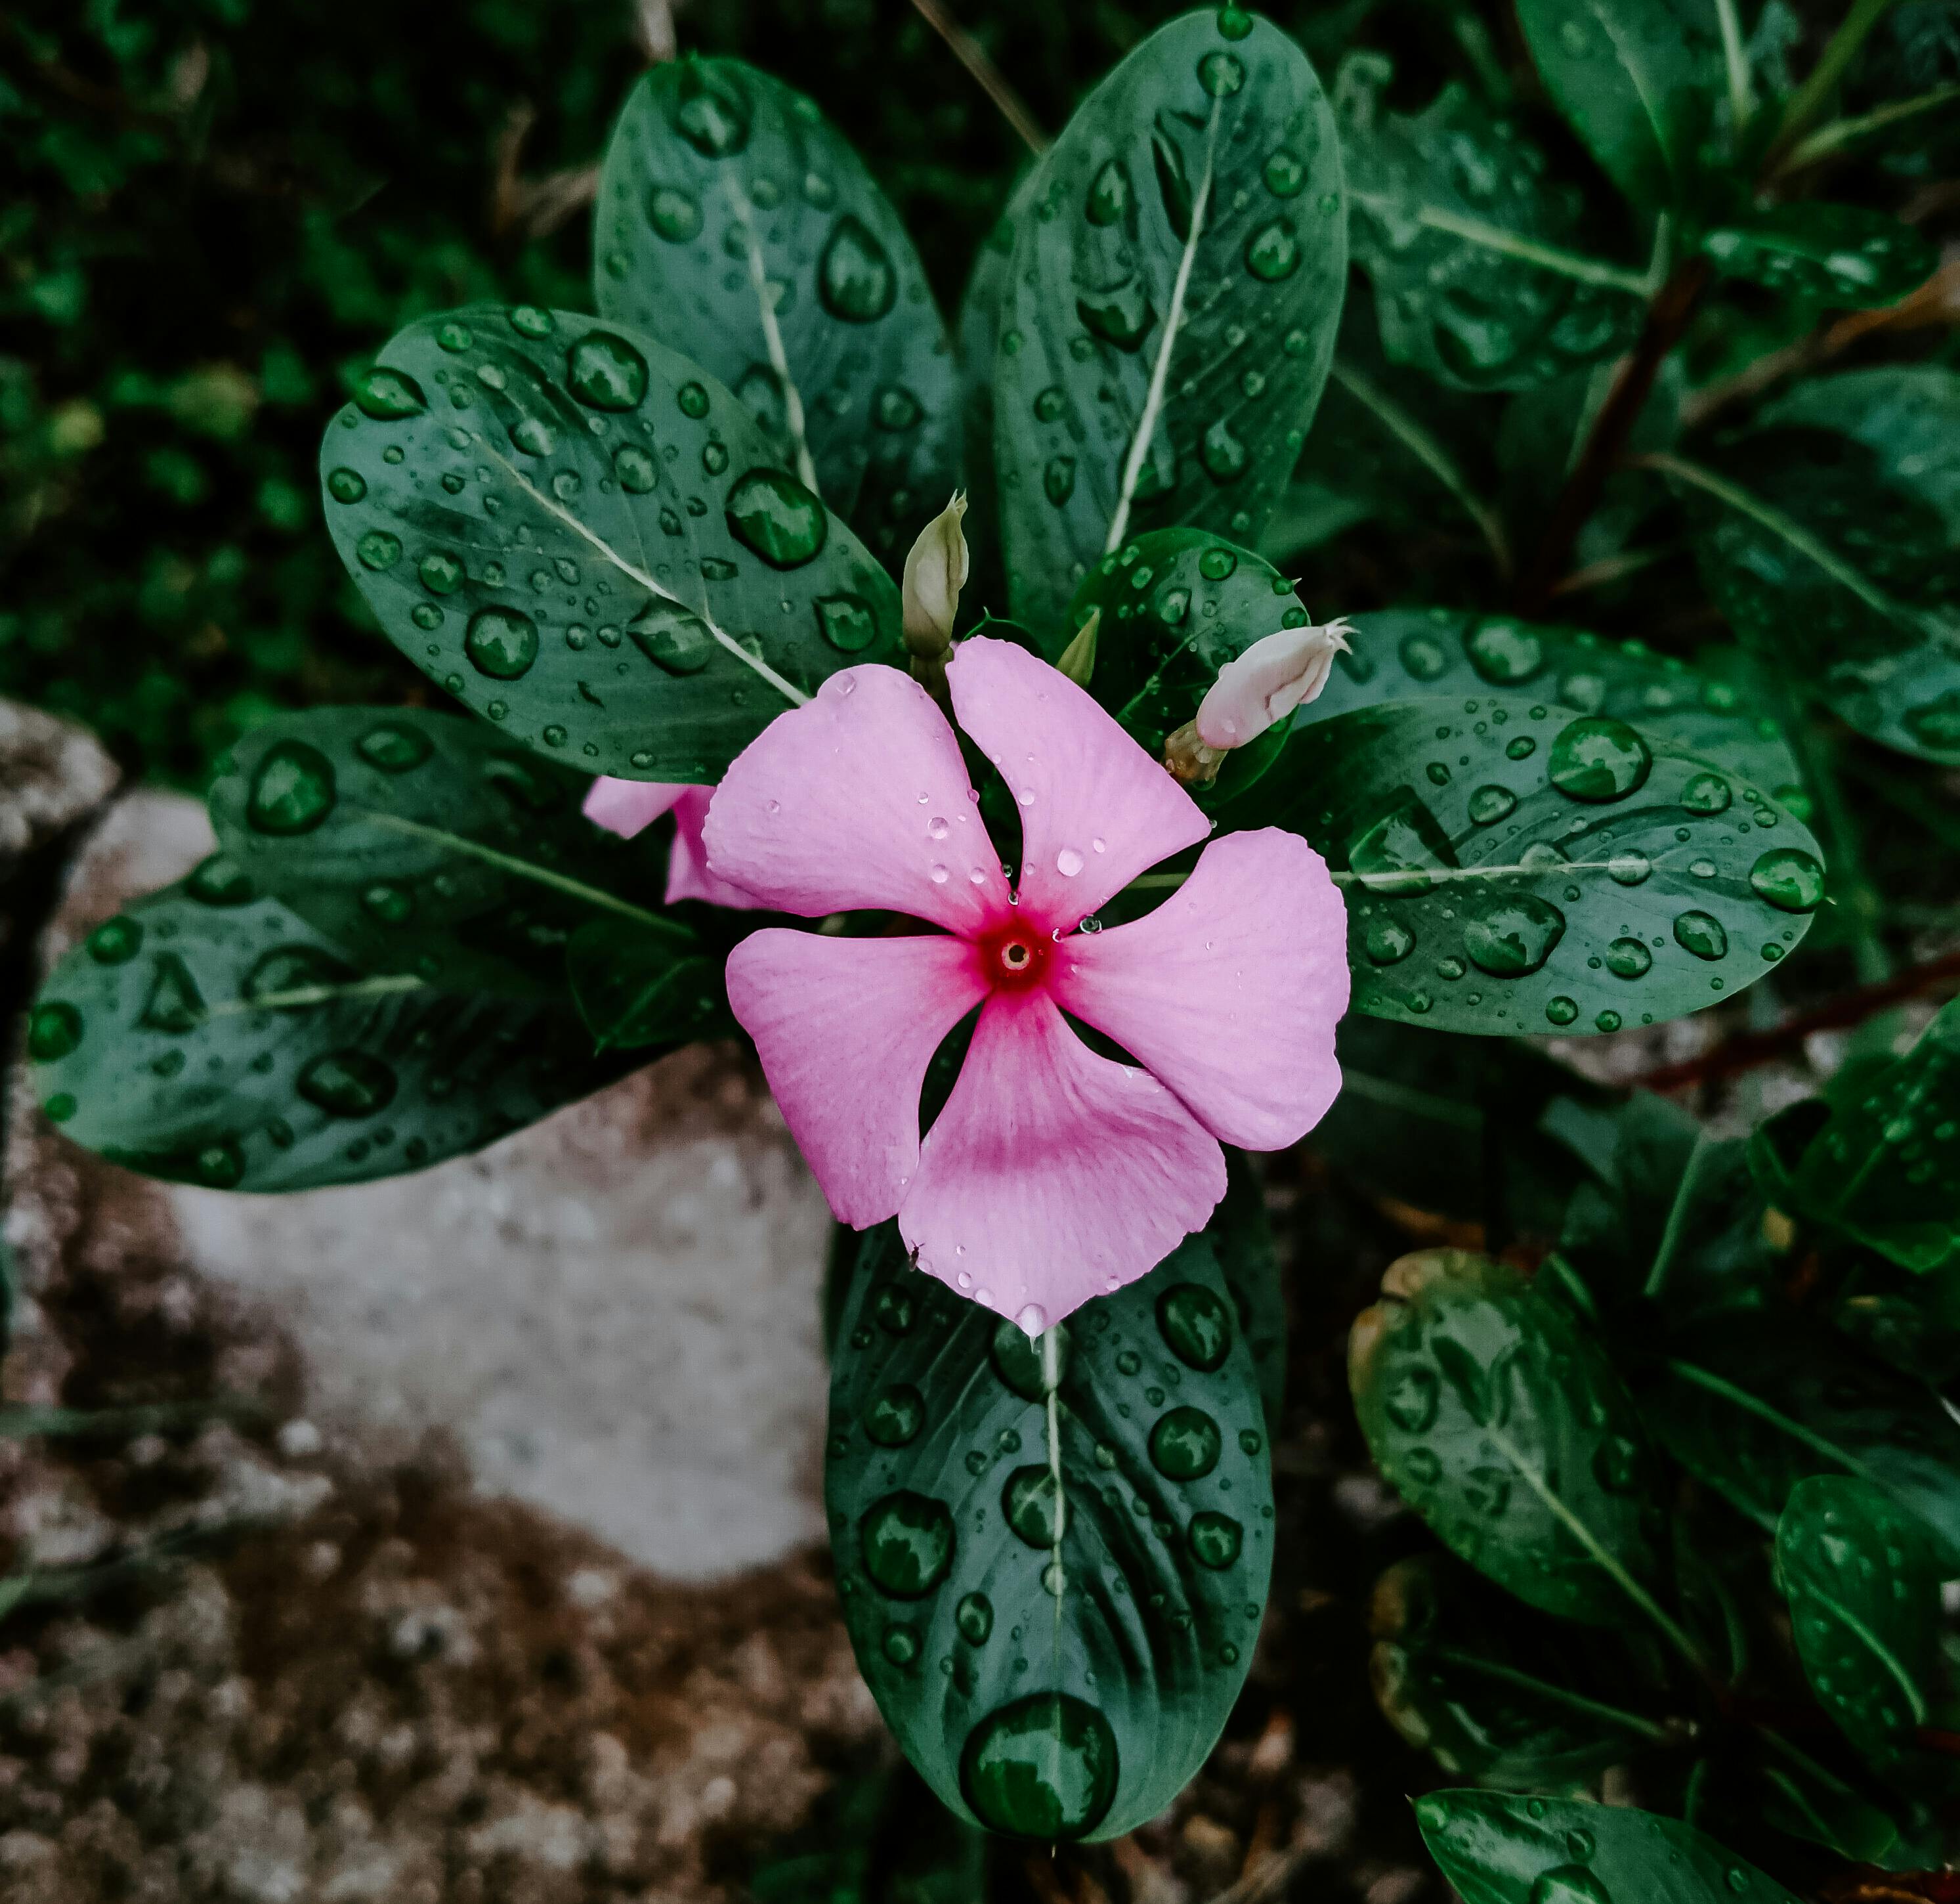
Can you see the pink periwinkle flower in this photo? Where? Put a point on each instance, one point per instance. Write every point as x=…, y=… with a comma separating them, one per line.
x=629, y=807
x=1053, y=1174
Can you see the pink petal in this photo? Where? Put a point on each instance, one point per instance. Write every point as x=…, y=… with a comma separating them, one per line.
x=1053, y=1175
x=1096, y=810
x=630, y=806
x=687, y=874
x=1229, y=991
x=845, y=1029
x=858, y=799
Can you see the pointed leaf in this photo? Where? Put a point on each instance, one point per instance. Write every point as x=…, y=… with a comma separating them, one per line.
x=589, y=541
x=636, y=986
x=1201, y=113
x=709, y=153
x=1841, y=255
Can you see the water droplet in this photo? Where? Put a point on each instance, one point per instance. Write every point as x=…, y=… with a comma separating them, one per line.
x=387, y=396
x=534, y=436
x=1508, y=935
x=693, y=400
x=1234, y=23
x=1043, y=1768
x=605, y=372
x=1214, y=1539
x=900, y=1645
x=1936, y=724
x=1284, y=173
x=1629, y=869
x=974, y=1616
x=1628, y=959
x=1702, y=935
x=907, y=1542
x=854, y=277
x=636, y=470
x=1122, y=315
x=896, y=409
x=1597, y=759
x=1388, y=940
x=709, y=108
x=1195, y=1324
x=1521, y=747
x=1569, y=1884
x=1220, y=74
x=1108, y=199
x=220, y=880
x=1561, y=1011
x=501, y=642
x=116, y=941
x=1058, y=480
x=1185, y=1444
x=1789, y=879
x=346, y=486
x=1273, y=252
x=391, y=904
x=1707, y=793
x=674, y=214
x=379, y=550
x=54, y=1031
x=896, y=1415
x=394, y=747
x=777, y=517
x=1017, y=1361
x=1413, y=1399
x=346, y=1084
x=1215, y=564
x=1068, y=862
x=1608, y=1021
x=1490, y=804
x=847, y=624
x=454, y=337
x=1035, y=1508
x=1504, y=652
x=291, y=792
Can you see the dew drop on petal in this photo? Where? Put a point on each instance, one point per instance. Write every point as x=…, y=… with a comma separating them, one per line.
x=937, y=828
x=939, y=875
x=1033, y=1318
x=1068, y=862
x=1099, y=844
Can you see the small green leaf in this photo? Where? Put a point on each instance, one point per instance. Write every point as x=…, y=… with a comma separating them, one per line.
x=1863, y=1582
x=1533, y=869
x=1467, y=243
x=589, y=542
x=636, y=986
x=1752, y=1411
x=1638, y=80
x=1503, y=1426
x=1050, y=1690
x=1501, y=1848
x=711, y=159
x=1200, y=179
x=427, y=844
x=1841, y=255
x=232, y=1045
x=1398, y=654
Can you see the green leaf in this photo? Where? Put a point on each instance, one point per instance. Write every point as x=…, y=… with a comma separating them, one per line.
x=1502, y=1423
x=1838, y=255
x=1638, y=80
x=1489, y=1693
x=1249, y=1261
x=1515, y=870
x=635, y=987
x=589, y=542
x=228, y=1043
x=1501, y=1848
x=1177, y=605
x=1467, y=243
x=427, y=844
x=1829, y=535
x=1400, y=653
x=723, y=187
x=1885, y=1166
x=1863, y=1582
x=1202, y=180
x=1752, y=1411
x=1048, y=1714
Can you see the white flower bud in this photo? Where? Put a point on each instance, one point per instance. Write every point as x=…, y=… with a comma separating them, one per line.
x=935, y=573
x=1266, y=683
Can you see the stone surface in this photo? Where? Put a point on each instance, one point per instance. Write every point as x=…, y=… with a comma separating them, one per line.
x=614, y=1313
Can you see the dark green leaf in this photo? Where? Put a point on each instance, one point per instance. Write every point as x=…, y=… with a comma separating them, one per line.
x=1863, y=1582
x=1529, y=869
x=1838, y=255
x=1250, y=1263
x=587, y=539
x=1500, y=1847
x=1491, y=1693
x=1400, y=653
x=1638, y=79
x=1049, y=1715
x=709, y=155
x=1502, y=1423
x=1467, y=243
x=232, y=1045
x=635, y=986
x=1200, y=114
x=428, y=844
x=1752, y=1410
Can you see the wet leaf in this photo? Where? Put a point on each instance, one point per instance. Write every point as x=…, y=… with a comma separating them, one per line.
x=590, y=542
x=709, y=154
x=1195, y=113
x=1840, y=256
x=1044, y=1714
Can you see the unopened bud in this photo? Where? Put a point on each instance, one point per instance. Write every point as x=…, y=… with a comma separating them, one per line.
x=1266, y=683
x=935, y=573
x=1078, y=659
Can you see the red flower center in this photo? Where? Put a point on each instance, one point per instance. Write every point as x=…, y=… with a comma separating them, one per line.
x=1013, y=956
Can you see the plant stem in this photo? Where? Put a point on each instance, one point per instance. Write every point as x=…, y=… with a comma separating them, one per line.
x=1511, y=244
x=1742, y=101
x=1705, y=1147
x=974, y=57
x=1842, y=131
x=1667, y=318
x=1808, y=101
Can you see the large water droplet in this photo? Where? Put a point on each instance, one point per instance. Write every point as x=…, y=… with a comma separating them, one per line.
x=1185, y=1444
x=855, y=278
x=776, y=517
x=1701, y=934
x=389, y=395
x=1628, y=959
x=220, y=880
x=1490, y=804
x=1413, y=1399
x=1123, y=315
x=1220, y=74
x=394, y=747
x=378, y=550
x=1569, y=1884
x=710, y=108
x=896, y=1415
x=1108, y=199
x=1789, y=879
x=606, y=371
x=174, y=1005
x=292, y=790
x=1035, y=1507
x=974, y=1616
x=637, y=472
x=907, y=1541
x=1388, y=940
x=1510, y=935
x=1597, y=759
x=53, y=1031
x=1504, y=653
x=534, y=436
x=1197, y=1324
x=1017, y=1359
x=1043, y=1768
x=674, y=214
x=346, y=1084
x=116, y=941
x=1273, y=252
x=501, y=642
x=847, y=622
x=672, y=639
x=1214, y=1539
x=1223, y=455
x=1707, y=793
x=346, y=486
